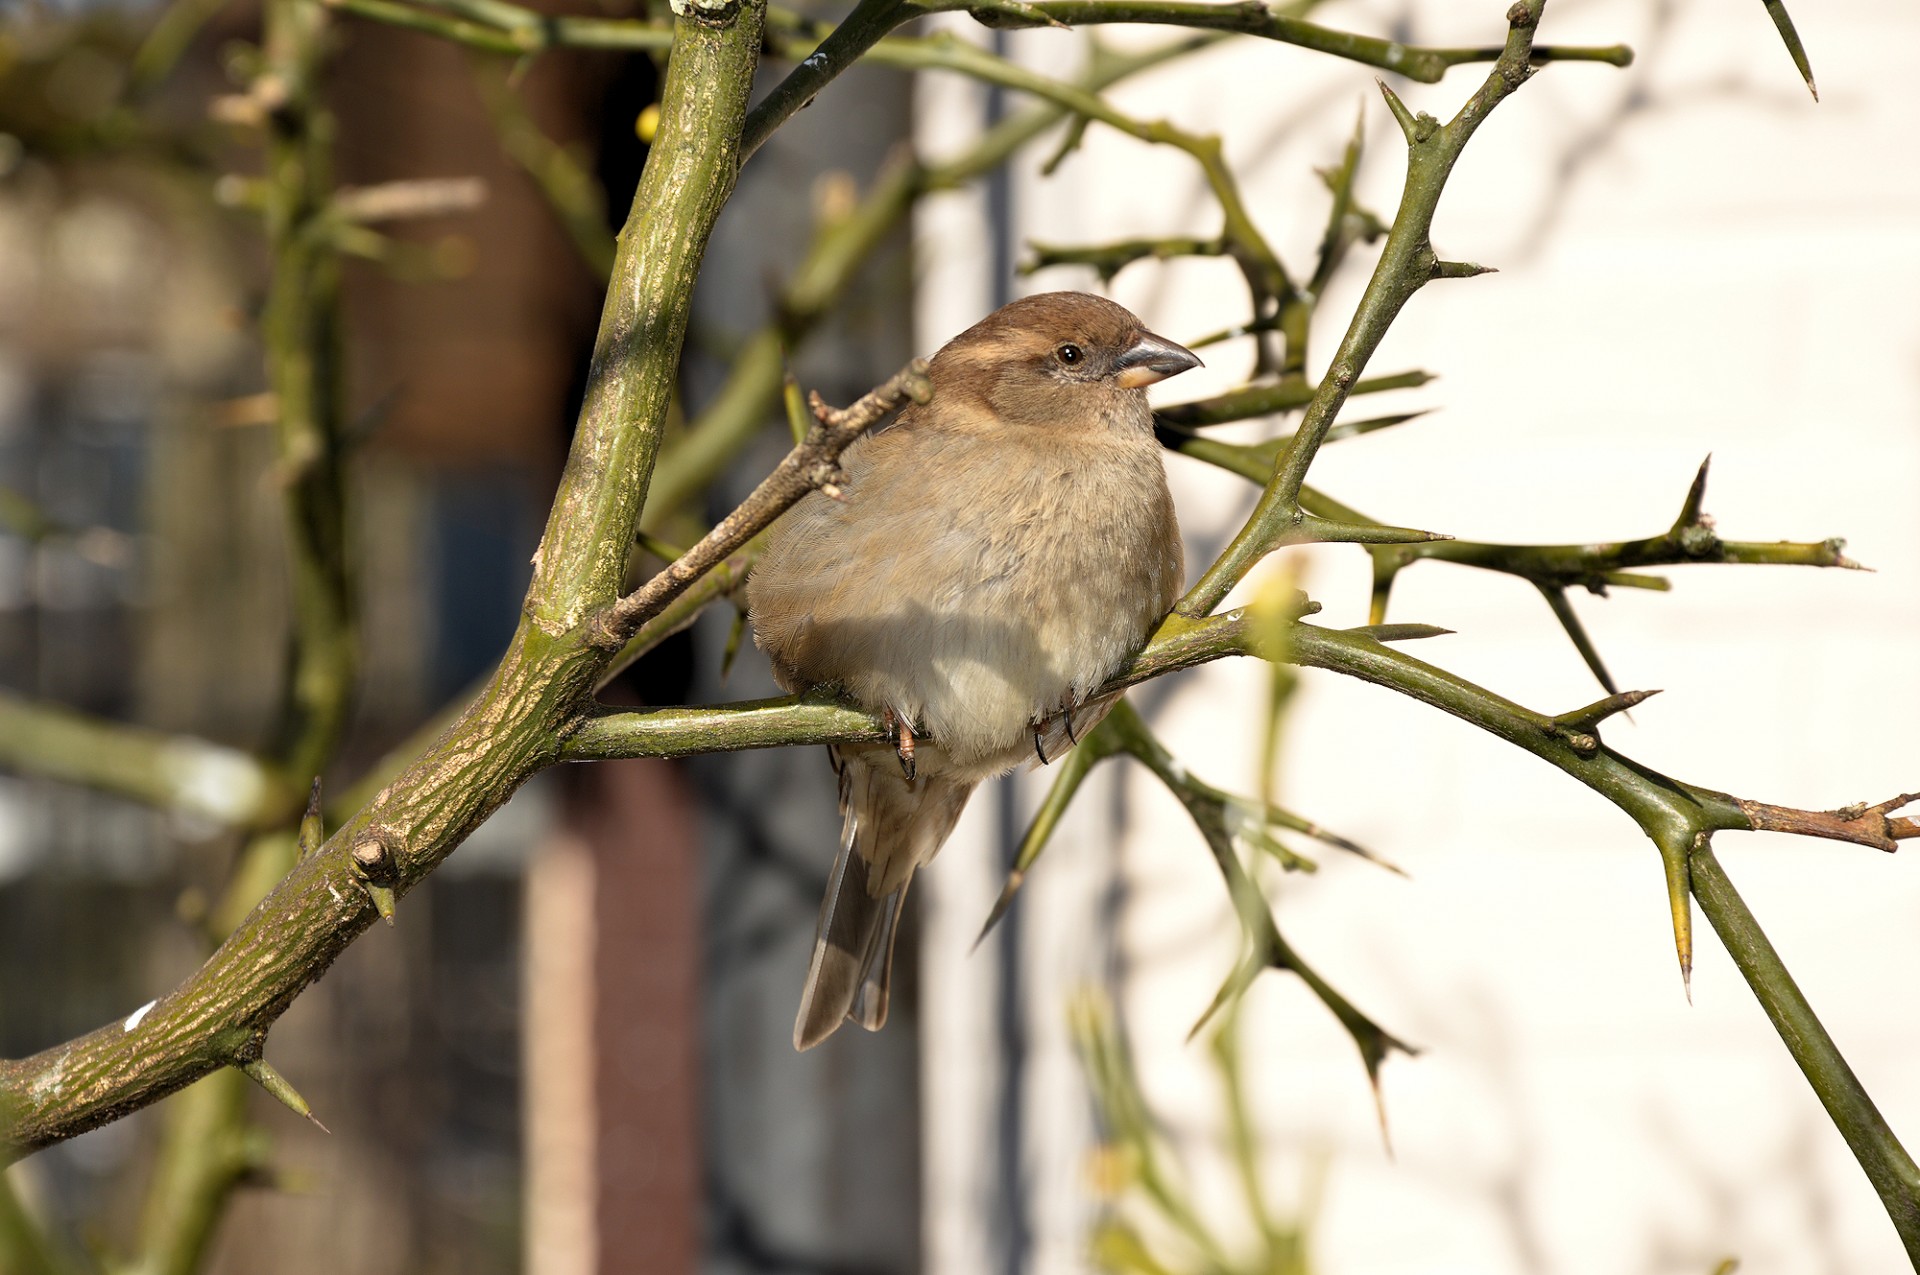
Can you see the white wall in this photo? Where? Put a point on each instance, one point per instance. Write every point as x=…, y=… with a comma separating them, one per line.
x=1695, y=258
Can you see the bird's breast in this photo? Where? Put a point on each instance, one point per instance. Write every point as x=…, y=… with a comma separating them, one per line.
x=975, y=586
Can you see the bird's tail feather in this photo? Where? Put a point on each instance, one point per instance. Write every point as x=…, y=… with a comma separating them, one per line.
x=893, y=825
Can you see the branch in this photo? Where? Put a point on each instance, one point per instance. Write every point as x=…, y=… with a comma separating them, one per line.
x=1553, y=569
x=25, y=1247
x=1272, y=289
x=205, y=1148
x=513, y=29
x=301, y=332
x=1254, y=18
x=1887, y=1164
x=744, y=404
x=1110, y=259
x=409, y=200
x=855, y=35
x=822, y=718
x=217, y=1017
x=1284, y=395
x=631, y=378
x=1680, y=819
x=1863, y=825
x=569, y=188
x=172, y=772
x=1406, y=264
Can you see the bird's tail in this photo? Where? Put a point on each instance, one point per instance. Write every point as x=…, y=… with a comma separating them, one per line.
x=893, y=825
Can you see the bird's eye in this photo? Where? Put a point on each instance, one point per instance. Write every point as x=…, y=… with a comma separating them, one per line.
x=1070, y=354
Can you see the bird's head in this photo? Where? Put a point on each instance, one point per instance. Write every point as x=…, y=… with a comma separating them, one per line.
x=1054, y=357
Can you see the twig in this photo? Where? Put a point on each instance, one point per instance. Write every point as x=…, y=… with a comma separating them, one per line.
x=840, y=248
x=572, y=192
x=25, y=1246
x=1863, y=825
x=173, y=772
x=813, y=465
x=410, y=199
x=1283, y=395
x=1110, y=259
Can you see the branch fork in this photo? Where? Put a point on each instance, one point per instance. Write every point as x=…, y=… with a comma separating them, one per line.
x=1861, y=824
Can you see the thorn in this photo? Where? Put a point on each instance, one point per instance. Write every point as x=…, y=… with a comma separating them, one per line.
x=1460, y=270
x=313, y=829
x=1634, y=580
x=1380, y=1110
x=1235, y=985
x=1577, y=634
x=1401, y=114
x=1696, y=495
x=263, y=1074
x=382, y=896
x=1578, y=727
x=1015, y=879
x=1316, y=530
x=1399, y=632
x=1680, y=904
x=1782, y=23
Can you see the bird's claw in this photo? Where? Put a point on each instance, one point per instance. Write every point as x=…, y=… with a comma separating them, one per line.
x=1065, y=716
x=902, y=731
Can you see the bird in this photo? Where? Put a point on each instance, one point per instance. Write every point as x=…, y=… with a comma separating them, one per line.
x=981, y=567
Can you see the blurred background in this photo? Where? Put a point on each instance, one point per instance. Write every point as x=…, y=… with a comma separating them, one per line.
x=572, y=1053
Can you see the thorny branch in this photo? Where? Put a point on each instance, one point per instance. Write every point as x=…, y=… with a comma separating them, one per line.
x=537, y=709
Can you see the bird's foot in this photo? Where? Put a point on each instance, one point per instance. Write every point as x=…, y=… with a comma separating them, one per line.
x=902, y=731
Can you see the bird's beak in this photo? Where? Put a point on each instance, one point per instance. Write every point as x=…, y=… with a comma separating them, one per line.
x=1153, y=358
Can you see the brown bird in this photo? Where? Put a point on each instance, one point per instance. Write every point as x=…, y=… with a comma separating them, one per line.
x=994, y=557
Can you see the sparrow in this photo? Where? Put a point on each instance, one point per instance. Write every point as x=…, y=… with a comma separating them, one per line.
x=989, y=560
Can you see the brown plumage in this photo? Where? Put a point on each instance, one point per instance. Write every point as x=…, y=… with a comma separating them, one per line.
x=998, y=554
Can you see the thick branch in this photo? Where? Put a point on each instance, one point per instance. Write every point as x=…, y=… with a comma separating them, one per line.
x=301, y=329
x=219, y=1014
x=583, y=555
